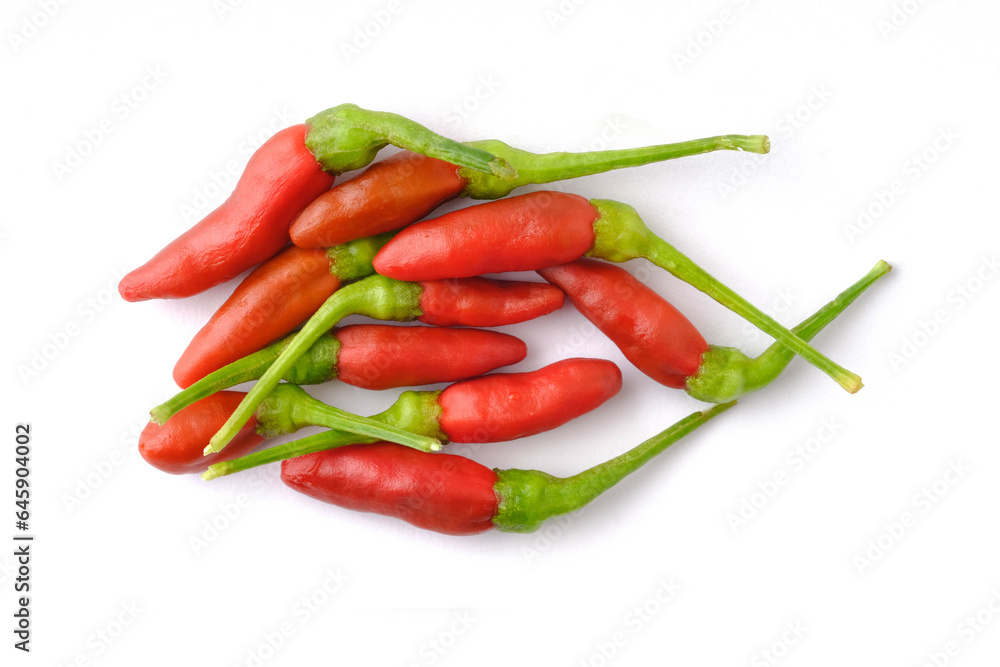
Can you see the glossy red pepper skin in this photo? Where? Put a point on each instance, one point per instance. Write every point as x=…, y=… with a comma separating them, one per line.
x=281, y=178
x=177, y=446
x=386, y=196
x=482, y=302
x=278, y=296
x=507, y=406
x=551, y=228
x=441, y=492
x=379, y=356
x=652, y=334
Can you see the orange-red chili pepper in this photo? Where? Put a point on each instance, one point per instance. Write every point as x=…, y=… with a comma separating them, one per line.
x=389, y=195
x=277, y=296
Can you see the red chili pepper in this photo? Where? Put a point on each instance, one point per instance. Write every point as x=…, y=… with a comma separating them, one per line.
x=278, y=296
x=476, y=302
x=279, y=181
x=494, y=408
x=445, y=493
x=543, y=229
x=507, y=406
x=284, y=175
x=177, y=446
x=652, y=334
x=453, y=495
x=370, y=356
x=406, y=187
x=388, y=195
x=664, y=345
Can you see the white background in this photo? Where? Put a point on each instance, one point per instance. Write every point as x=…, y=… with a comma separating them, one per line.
x=848, y=105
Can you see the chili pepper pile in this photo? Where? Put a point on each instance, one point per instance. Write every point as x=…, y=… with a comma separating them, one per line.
x=323, y=251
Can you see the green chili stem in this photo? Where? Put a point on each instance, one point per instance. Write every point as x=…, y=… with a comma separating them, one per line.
x=348, y=137
x=317, y=442
x=666, y=256
x=376, y=296
x=318, y=413
x=621, y=235
x=529, y=497
x=775, y=358
x=726, y=373
x=353, y=260
x=242, y=370
x=415, y=412
x=549, y=167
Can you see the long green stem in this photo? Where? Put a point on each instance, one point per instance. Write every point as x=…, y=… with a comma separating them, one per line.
x=548, y=167
x=529, y=497
x=243, y=370
x=375, y=296
x=727, y=373
x=666, y=256
x=621, y=235
x=316, y=366
x=348, y=137
x=775, y=358
x=317, y=442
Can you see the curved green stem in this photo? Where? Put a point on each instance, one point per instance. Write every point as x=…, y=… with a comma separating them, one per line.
x=376, y=296
x=317, y=442
x=549, y=167
x=726, y=373
x=621, y=235
x=348, y=137
x=529, y=497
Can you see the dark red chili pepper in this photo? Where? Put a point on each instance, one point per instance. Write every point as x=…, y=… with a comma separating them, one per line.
x=446, y=493
x=278, y=296
x=664, y=345
x=476, y=302
x=284, y=175
x=543, y=229
x=453, y=495
x=493, y=408
x=370, y=356
x=406, y=187
x=178, y=445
